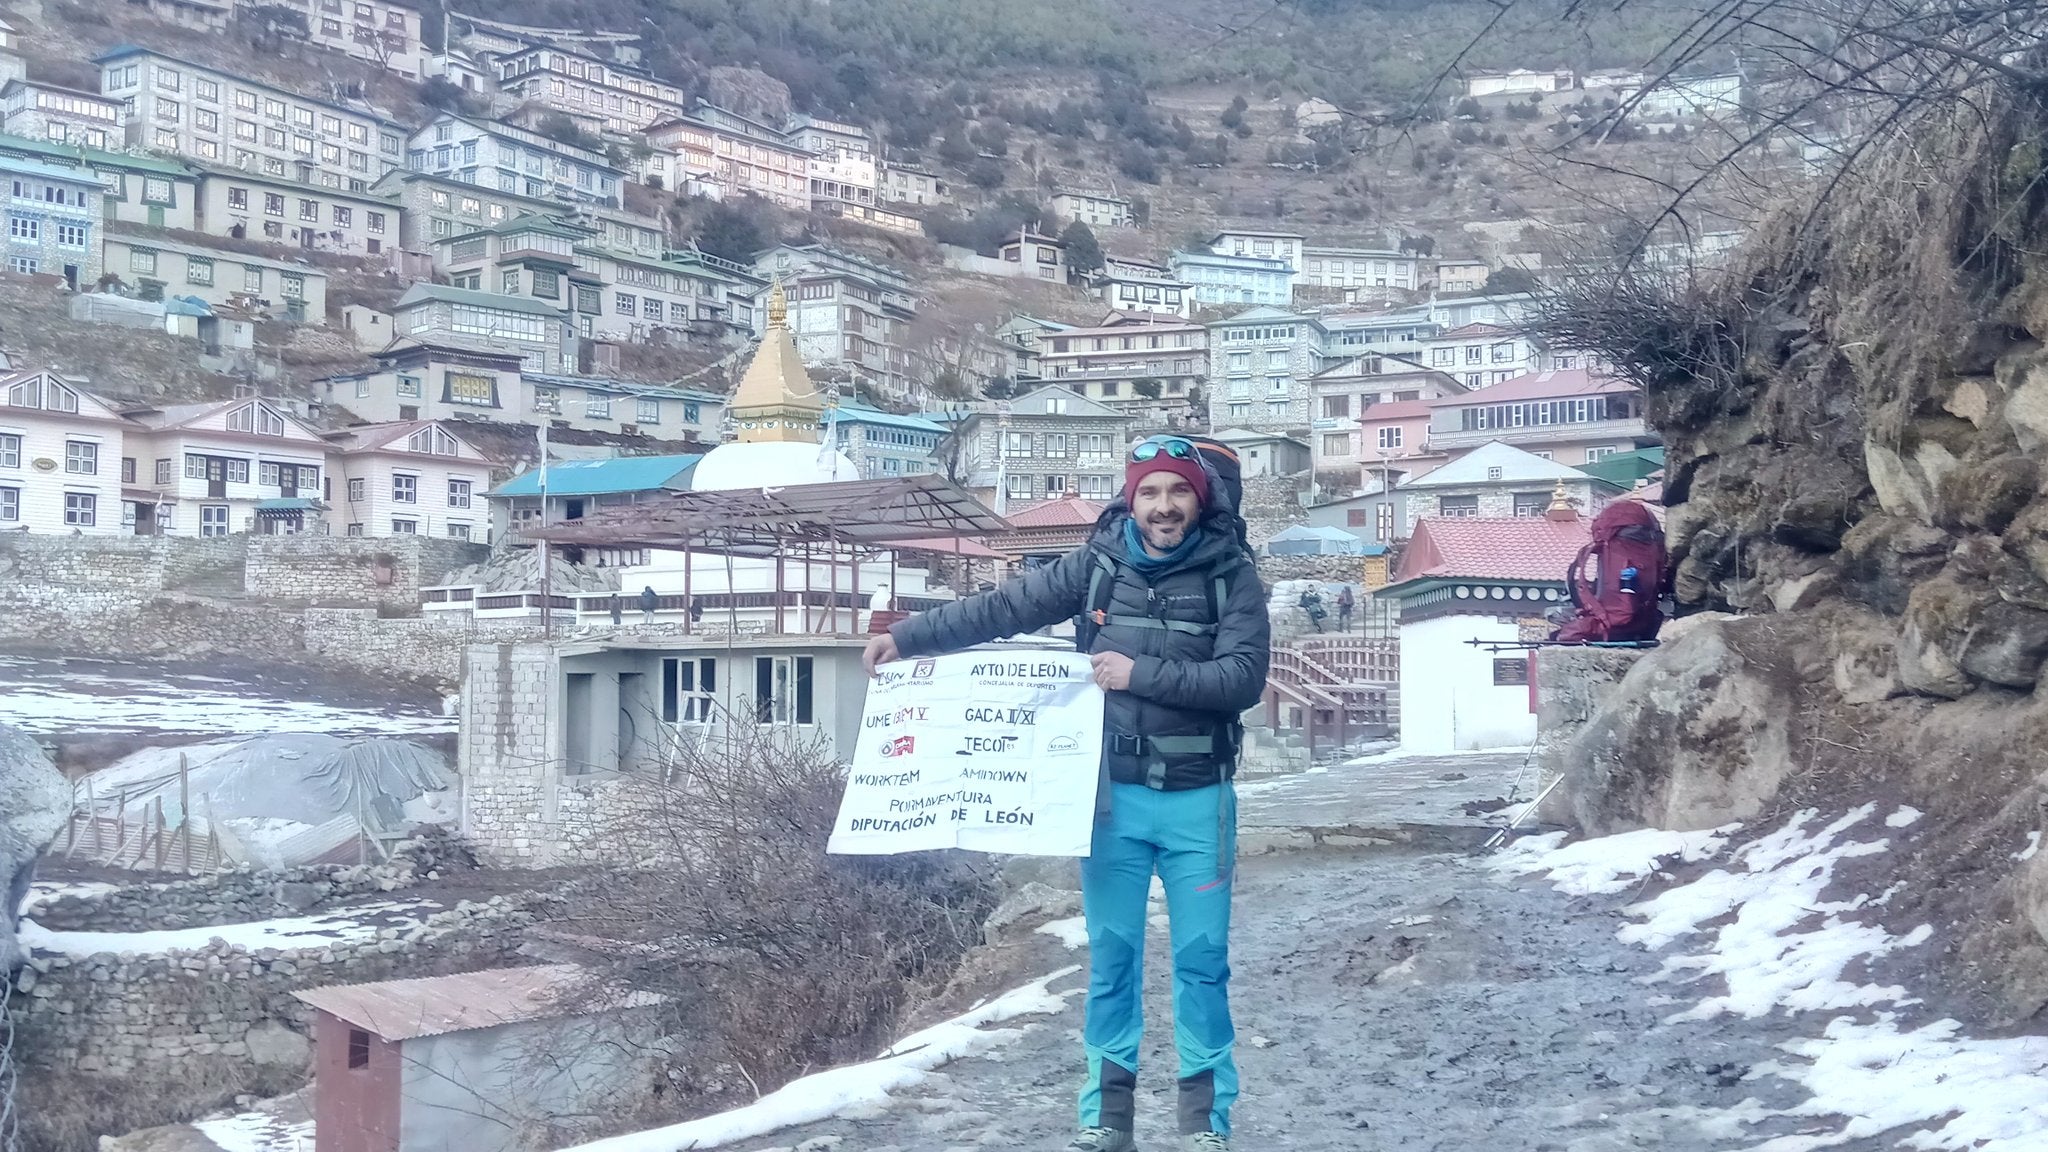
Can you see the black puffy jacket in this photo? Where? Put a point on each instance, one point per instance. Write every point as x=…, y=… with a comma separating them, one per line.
x=1188, y=684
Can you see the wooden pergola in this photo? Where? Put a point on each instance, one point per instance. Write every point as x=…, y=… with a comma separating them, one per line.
x=851, y=520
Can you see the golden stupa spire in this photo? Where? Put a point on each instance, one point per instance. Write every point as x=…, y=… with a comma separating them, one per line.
x=775, y=400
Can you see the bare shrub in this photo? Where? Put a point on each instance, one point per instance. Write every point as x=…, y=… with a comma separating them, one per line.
x=775, y=957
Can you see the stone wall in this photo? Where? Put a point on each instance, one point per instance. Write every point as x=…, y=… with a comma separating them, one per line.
x=1272, y=503
x=353, y=569
x=1329, y=569
x=185, y=599
x=113, y=564
x=425, y=649
x=107, y=1014
x=246, y=894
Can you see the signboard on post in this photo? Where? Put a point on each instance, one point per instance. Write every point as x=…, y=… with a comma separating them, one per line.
x=988, y=751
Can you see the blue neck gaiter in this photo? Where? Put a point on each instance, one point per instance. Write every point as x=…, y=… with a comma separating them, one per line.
x=1145, y=562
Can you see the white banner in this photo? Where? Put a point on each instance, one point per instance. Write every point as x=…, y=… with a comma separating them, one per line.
x=989, y=751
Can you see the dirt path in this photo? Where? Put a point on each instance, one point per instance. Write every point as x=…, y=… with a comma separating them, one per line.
x=1510, y=1018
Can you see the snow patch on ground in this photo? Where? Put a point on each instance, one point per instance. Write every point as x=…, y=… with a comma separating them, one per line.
x=856, y=1087
x=1611, y=863
x=1778, y=946
x=257, y=1132
x=2032, y=849
x=1072, y=932
x=1905, y=817
x=358, y=923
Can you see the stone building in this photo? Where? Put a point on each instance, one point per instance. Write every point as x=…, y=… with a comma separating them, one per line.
x=53, y=221
x=511, y=159
x=303, y=214
x=1261, y=364
x=39, y=110
x=1041, y=447
x=1145, y=364
x=137, y=189
x=217, y=117
x=1499, y=481
x=539, y=332
x=161, y=268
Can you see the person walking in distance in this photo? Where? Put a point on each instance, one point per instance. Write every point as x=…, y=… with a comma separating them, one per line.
x=1345, y=603
x=1173, y=617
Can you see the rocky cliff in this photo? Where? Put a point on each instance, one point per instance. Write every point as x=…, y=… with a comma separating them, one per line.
x=34, y=802
x=1855, y=418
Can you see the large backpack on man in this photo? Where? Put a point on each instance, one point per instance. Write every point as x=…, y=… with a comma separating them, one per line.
x=1626, y=558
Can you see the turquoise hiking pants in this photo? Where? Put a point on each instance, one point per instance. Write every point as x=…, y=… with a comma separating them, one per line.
x=1190, y=839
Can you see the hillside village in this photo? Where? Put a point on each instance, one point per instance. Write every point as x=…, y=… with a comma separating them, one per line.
x=440, y=449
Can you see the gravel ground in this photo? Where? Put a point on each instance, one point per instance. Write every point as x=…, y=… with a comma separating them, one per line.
x=1510, y=1019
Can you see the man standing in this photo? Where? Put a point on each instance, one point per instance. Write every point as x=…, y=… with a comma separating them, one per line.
x=1345, y=604
x=1174, y=619
x=649, y=601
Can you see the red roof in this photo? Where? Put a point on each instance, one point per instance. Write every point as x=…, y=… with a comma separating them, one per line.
x=1476, y=548
x=1561, y=383
x=1396, y=410
x=1065, y=512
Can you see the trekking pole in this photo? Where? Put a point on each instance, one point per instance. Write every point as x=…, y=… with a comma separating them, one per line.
x=1499, y=838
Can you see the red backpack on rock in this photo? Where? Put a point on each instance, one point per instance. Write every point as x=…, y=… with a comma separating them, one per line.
x=1620, y=602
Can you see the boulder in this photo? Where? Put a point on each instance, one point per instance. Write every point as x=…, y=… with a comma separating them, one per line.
x=271, y=1044
x=2026, y=408
x=2006, y=644
x=1986, y=495
x=1695, y=735
x=37, y=801
x=1938, y=620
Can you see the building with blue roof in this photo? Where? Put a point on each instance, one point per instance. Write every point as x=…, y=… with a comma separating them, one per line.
x=575, y=488
x=883, y=444
x=53, y=220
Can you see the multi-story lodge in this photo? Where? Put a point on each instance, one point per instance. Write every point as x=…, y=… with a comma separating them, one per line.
x=883, y=443
x=157, y=267
x=412, y=478
x=384, y=33
x=845, y=311
x=217, y=117
x=1145, y=365
x=1360, y=268
x=39, y=110
x=614, y=292
x=1480, y=354
x=735, y=155
x=1369, y=408
x=1572, y=416
x=54, y=216
x=1230, y=279
x=447, y=377
x=623, y=100
x=223, y=467
x=1094, y=208
x=64, y=458
x=495, y=155
x=537, y=331
x=136, y=189
x=281, y=210
x=1044, y=445
x=1260, y=363
x=1137, y=286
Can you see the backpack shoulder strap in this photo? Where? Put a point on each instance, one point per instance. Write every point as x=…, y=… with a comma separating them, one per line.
x=1101, y=583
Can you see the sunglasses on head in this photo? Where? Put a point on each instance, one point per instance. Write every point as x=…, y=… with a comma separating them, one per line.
x=1173, y=446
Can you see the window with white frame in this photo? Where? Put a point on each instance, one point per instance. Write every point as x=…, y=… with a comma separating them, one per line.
x=213, y=520
x=1390, y=437
x=405, y=489
x=1016, y=444
x=459, y=493
x=10, y=504
x=164, y=472
x=10, y=450
x=647, y=411
x=458, y=531
x=81, y=458
x=1019, y=487
x=400, y=527
x=358, y=489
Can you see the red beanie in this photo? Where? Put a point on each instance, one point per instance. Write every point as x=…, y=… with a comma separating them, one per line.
x=1189, y=469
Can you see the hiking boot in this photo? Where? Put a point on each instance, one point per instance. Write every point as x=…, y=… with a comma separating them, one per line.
x=1206, y=1142
x=1104, y=1140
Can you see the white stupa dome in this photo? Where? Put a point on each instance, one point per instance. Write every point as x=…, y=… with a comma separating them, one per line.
x=769, y=464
